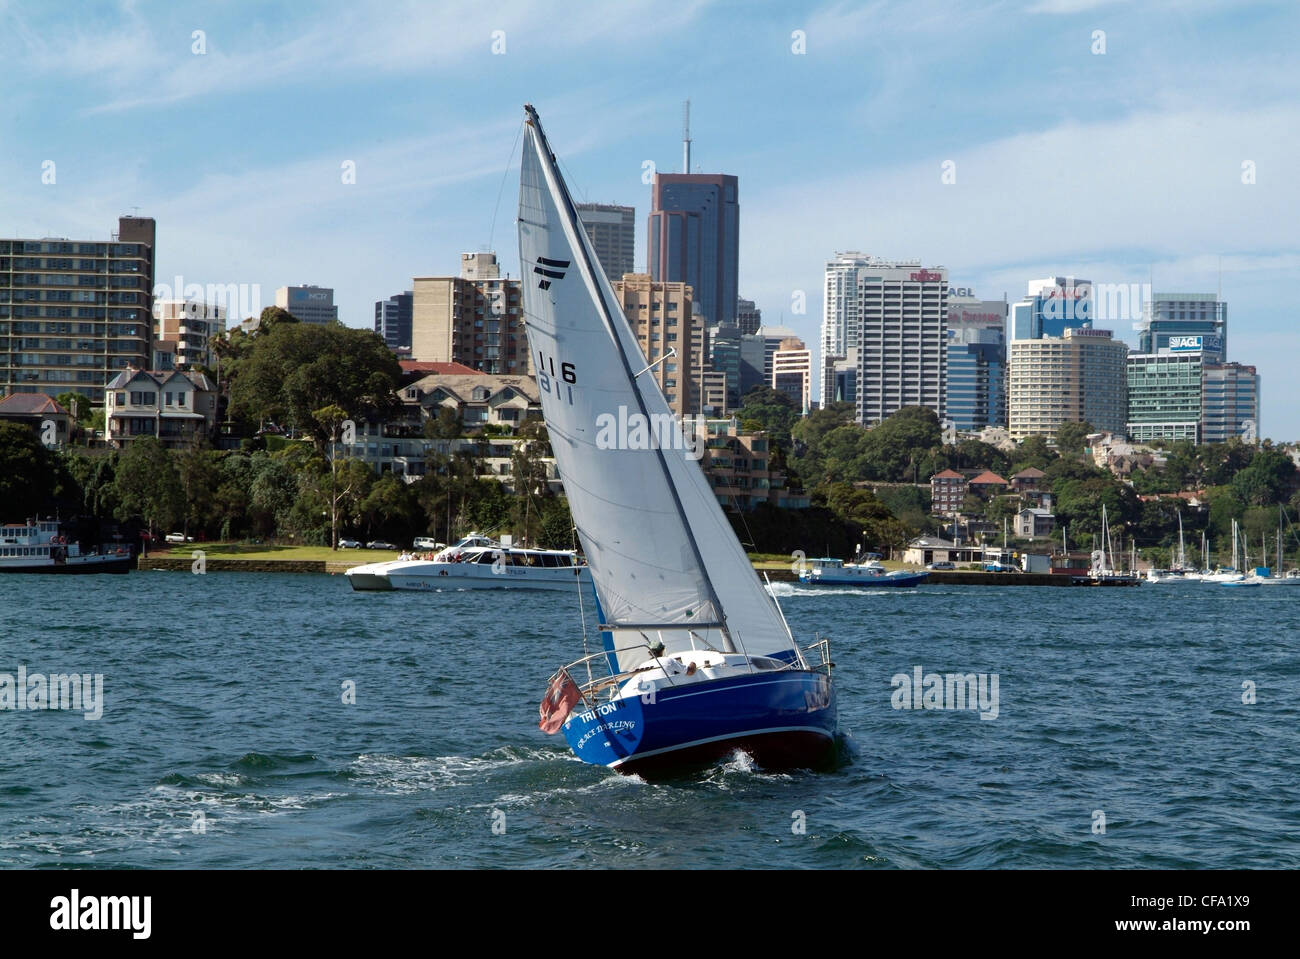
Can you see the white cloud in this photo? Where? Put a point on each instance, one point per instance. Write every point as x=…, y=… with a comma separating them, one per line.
x=140, y=63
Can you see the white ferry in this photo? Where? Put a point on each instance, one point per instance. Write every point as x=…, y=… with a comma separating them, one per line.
x=476, y=562
x=38, y=546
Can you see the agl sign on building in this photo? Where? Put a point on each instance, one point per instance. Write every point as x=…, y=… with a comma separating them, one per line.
x=1194, y=344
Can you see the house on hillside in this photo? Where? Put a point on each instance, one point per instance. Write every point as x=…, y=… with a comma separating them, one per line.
x=36, y=410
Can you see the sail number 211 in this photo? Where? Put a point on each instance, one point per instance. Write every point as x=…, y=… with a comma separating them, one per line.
x=560, y=387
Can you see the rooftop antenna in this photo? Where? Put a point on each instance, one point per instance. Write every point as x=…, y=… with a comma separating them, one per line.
x=686, y=137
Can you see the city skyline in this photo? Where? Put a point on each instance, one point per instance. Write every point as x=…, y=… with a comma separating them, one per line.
x=1124, y=166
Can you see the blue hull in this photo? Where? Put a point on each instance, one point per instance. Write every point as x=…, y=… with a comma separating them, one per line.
x=785, y=720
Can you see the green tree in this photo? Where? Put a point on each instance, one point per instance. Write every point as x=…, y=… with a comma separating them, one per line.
x=1032, y=451
x=389, y=504
x=1073, y=437
x=27, y=471
x=764, y=408
x=446, y=425
x=1270, y=478
x=297, y=369
x=148, y=486
x=198, y=470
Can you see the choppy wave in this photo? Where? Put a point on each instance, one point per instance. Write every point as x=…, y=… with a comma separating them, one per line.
x=1123, y=703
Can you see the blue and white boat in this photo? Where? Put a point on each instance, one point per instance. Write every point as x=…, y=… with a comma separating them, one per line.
x=828, y=571
x=696, y=659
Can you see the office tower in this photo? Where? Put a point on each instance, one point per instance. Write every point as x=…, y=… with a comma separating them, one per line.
x=1075, y=378
x=724, y=358
x=792, y=371
x=393, y=320
x=1183, y=315
x=977, y=362
x=663, y=318
x=612, y=231
x=843, y=377
x=693, y=238
x=902, y=338
x=1230, y=401
x=1165, y=386
x=839, y=315
x=771, y=338
x=475, y=319
x=309, y=304
x=187, y=326
x=1050, y=307
x=75, y=313
x=754, y=359
x=748, y=316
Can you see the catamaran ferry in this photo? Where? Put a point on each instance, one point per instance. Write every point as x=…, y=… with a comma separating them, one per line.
x=38, y=546
x=476, y=562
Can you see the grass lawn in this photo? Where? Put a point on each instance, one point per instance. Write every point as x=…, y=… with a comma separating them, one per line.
x=272, y=553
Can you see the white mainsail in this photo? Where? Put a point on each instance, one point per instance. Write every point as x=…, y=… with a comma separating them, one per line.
x=666, y=564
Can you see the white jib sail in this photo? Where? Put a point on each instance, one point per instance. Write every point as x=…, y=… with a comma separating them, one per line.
x=664, y=559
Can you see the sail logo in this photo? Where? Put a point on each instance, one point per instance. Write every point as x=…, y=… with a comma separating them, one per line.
x=951, y=691
x=662, y=431
x=558, y=268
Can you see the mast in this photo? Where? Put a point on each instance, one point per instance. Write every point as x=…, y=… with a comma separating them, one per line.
x=584, y=260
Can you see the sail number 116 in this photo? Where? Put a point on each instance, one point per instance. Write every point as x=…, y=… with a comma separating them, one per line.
x=548, y=382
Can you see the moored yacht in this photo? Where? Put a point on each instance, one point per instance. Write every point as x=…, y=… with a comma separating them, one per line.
x=476, y=562
x=39, y=546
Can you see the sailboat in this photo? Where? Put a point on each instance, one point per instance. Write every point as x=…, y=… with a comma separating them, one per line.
x=1279, y=576
x=1178, y=572
x=1230, y=574
x=1103, y=569
x=696, y=660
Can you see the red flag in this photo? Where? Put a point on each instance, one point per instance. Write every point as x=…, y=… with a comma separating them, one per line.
x=561, y=696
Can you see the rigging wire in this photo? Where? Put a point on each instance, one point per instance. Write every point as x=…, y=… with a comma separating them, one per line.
x=492, y=230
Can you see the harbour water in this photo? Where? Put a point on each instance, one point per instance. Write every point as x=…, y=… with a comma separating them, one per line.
x=225, y=740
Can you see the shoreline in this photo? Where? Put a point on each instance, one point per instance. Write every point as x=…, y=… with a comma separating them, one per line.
x=336, y=567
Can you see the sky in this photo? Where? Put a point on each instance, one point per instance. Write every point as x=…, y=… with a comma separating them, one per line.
x=1123, y=142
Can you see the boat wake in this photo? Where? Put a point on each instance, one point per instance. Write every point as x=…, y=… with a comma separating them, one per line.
x=402, y=775
x=796, y=589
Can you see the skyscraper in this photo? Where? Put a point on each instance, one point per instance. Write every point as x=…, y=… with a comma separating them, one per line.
x=902, y=338
x=393, y=320
x=310, y=304
x=1183, y=314
x=75, y=313
x=1050, y=307
x=1229, y=402
x=1075, y=378
x=839, y=316
x=792, y=371
x=748, y=316
x=693, y=238
x=612, y=230
x=977, y=362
